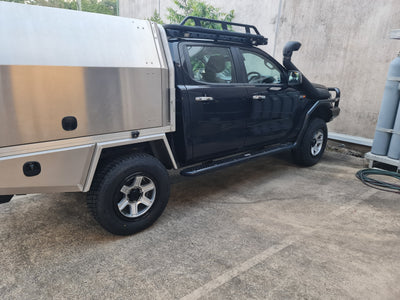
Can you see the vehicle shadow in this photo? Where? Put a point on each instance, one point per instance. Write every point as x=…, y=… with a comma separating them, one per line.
x=186, y=191
x=44, y=223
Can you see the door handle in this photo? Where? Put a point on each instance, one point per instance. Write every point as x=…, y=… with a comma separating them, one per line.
x=275, y=88
x=259, y=97
x=204, y=99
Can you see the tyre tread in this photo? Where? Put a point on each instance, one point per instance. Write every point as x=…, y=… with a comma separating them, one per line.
x=301, y=155
x=100, y=179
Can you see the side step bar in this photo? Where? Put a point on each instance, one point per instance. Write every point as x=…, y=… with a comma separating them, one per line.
x=5, y=198
x=233, y=160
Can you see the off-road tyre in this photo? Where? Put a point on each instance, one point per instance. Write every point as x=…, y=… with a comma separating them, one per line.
x=110, y=188
x=312, y=146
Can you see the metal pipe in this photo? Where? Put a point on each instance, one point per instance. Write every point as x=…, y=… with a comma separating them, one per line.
x=277, y=26
x=357, y=140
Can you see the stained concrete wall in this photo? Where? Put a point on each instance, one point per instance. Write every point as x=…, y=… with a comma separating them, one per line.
x=345, y=44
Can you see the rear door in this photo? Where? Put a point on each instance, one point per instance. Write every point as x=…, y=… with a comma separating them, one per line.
x=272, y=103
x=218, y=104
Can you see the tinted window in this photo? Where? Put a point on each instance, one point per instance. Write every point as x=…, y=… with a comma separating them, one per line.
x=260, y=70
x=211, y=64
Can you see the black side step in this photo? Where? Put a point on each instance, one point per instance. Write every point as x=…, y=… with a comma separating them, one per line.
x=233, y=160
x=5, y=198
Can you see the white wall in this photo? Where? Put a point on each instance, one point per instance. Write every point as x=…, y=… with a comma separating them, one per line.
x=344, y=43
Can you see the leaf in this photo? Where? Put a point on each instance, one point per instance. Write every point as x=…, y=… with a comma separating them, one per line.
x=197, y=8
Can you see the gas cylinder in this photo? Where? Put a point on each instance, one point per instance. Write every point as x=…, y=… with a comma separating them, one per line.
x=389, y=111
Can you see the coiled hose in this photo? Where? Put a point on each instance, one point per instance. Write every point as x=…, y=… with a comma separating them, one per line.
x=378, y=184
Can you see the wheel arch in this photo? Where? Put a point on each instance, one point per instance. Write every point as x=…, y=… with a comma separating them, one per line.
x=155, y=148
x=158, y=148
x=320, y=110
x=323, y=112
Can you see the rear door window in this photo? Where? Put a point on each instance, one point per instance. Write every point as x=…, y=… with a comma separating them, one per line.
x=211, y=64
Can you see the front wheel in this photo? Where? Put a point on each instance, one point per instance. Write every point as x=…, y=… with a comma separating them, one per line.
x=129, y=194
x=313, y=144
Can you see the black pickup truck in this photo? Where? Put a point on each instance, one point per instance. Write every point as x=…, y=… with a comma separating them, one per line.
x=233, y=97
x=148, y=98
x=234, y=102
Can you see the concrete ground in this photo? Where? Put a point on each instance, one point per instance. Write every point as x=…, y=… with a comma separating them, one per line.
x=266, y=229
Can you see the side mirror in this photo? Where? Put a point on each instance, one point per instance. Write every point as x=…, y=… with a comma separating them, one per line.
x=295, y=78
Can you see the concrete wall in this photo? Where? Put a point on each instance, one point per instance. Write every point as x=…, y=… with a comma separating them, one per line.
x=344, y=43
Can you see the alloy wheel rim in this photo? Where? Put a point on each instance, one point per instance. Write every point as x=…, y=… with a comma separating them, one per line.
x=137, y=197
x=317, y=142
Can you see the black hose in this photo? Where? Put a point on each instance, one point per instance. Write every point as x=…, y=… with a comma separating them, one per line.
x=378, y=184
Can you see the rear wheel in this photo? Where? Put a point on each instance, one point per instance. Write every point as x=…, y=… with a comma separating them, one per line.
x=313, y=144
x=129, y=194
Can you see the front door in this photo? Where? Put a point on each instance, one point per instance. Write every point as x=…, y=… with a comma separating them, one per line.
x=273, y=104
x=218, y=104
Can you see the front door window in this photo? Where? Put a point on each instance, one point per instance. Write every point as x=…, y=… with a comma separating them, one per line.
x=260, y=70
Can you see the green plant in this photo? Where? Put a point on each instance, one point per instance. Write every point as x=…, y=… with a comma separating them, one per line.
x=194, y=8
x=156, y=18
x=108, y=7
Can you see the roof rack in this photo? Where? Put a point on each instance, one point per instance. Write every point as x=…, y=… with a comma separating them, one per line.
x=200, y=31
